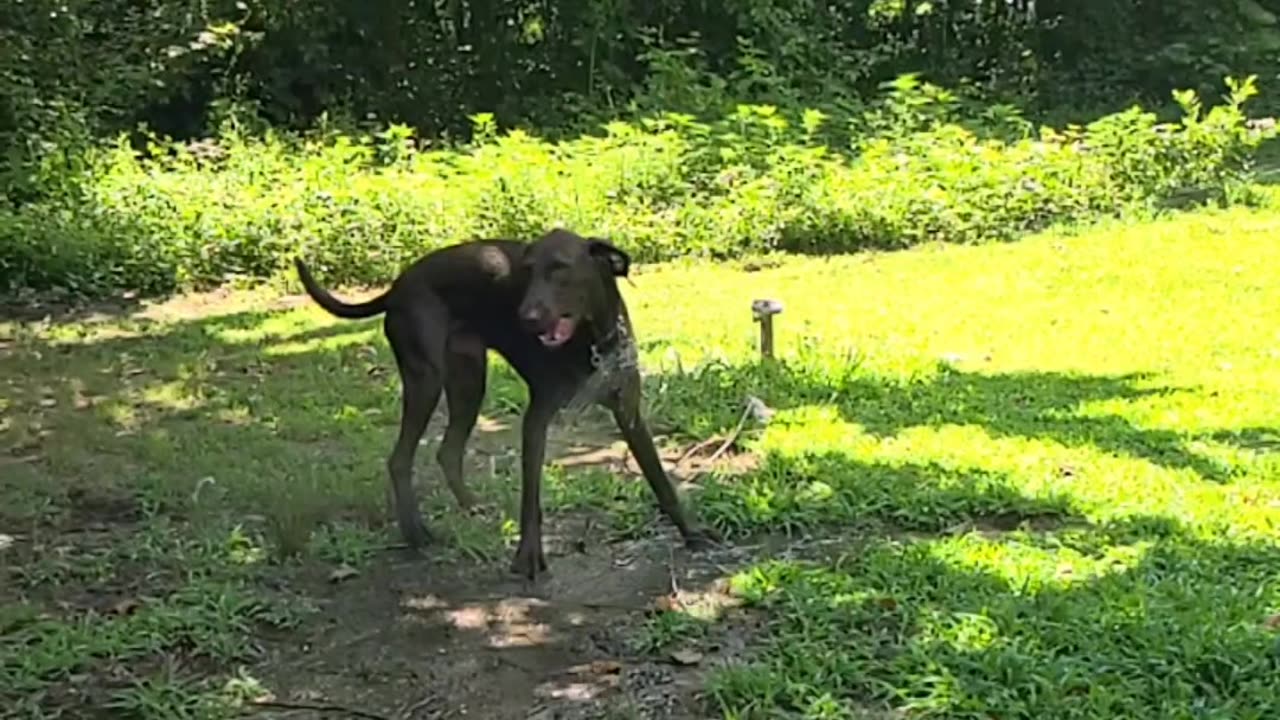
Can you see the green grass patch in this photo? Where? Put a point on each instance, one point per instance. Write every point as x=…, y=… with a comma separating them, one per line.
x=1051, y=471
x=135, y=619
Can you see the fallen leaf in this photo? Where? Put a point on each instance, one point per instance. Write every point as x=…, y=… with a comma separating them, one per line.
x=597, y=667
x=686, y=657
x=606, y=667
x=666, y=603
x=126, y=606
x=343, y=572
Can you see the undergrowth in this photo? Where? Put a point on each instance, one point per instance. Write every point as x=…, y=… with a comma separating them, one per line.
x=919, y=165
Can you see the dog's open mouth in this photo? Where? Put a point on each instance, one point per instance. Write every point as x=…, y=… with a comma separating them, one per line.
x=559, y=333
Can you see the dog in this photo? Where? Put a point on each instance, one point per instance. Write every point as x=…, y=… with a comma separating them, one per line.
x=552, y=309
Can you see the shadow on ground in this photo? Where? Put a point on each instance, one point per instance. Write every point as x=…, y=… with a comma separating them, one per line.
x=1047, y=406
x=285, y=430
x=1141, y=618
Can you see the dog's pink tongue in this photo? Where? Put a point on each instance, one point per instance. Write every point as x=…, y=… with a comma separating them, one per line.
x=564, y=329
x=559, y=334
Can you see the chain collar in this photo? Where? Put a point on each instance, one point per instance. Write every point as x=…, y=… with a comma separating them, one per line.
x=611, y=356
x=619, y=351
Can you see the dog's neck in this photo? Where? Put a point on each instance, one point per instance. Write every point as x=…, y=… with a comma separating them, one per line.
x=614, y=348
x=612, y=335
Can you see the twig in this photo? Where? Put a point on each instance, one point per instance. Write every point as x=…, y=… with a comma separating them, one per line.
x=580, y=545
x=318, y=707
x=422, y=704
x=733, y=436
x=671, y=571
x=697, y=447
x=620, y=607
x=724, y=446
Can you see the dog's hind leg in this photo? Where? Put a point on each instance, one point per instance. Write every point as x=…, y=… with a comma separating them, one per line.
x=465, y=382
x=417, y=338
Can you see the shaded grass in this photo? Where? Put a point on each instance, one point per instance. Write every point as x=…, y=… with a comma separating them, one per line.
x=1115, y=622
x=1055, y=465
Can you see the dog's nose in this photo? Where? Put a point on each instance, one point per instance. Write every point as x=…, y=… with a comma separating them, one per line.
x=533, y=315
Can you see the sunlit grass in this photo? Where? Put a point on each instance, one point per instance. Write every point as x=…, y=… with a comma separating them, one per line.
x=1055, y=464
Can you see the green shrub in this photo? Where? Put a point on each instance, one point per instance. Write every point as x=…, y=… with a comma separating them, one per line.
x=918, y=166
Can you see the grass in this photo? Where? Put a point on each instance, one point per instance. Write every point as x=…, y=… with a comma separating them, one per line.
x=1048, y=475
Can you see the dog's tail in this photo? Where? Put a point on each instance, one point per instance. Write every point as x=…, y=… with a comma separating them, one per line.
x=352, y=311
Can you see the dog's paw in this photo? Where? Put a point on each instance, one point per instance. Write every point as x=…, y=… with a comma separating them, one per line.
x=484, y=510
x=529, y=561
x=702, y=539
x=415, y=533
x=468, y=501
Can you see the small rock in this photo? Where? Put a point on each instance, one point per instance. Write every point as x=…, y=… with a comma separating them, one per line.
x=125, y=606
x=342, y=573
x=686, y=657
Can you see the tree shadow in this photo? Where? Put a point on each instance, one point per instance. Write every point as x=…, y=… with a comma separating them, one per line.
x=796, y=494
x=1049, y=406
x=1265, y=439
x=216, y=411
x=302, y=435
x=315, y=410
x=57, y=309
x=1140, y=618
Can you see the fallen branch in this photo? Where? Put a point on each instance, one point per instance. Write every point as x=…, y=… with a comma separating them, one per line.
x=697, y=447
x=733, y=436
x=412, y=710
x=319, y=707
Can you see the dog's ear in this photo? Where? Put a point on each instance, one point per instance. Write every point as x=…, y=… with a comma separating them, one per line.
x=619, y=262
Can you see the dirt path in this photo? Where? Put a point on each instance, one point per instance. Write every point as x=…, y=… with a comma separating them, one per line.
x=411, y=639
x=404, y=643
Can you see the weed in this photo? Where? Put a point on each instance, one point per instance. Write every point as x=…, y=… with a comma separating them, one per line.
x=665, y=629
x=668, y=186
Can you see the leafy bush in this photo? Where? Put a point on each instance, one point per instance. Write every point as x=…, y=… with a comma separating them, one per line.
x=918, y=166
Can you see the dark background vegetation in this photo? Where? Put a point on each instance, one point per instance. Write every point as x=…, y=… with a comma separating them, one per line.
x=86, y=66
x=734, y=126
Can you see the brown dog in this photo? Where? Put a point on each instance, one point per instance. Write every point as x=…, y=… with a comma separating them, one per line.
x=553, y=310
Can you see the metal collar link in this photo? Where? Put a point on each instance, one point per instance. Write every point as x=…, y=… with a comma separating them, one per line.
x=627, y=358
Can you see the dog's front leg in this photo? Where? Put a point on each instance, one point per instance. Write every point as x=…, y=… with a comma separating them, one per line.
x=625, y=405
x=529, y=560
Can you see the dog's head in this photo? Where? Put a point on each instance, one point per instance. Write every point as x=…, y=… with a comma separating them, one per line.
x=572, y=281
